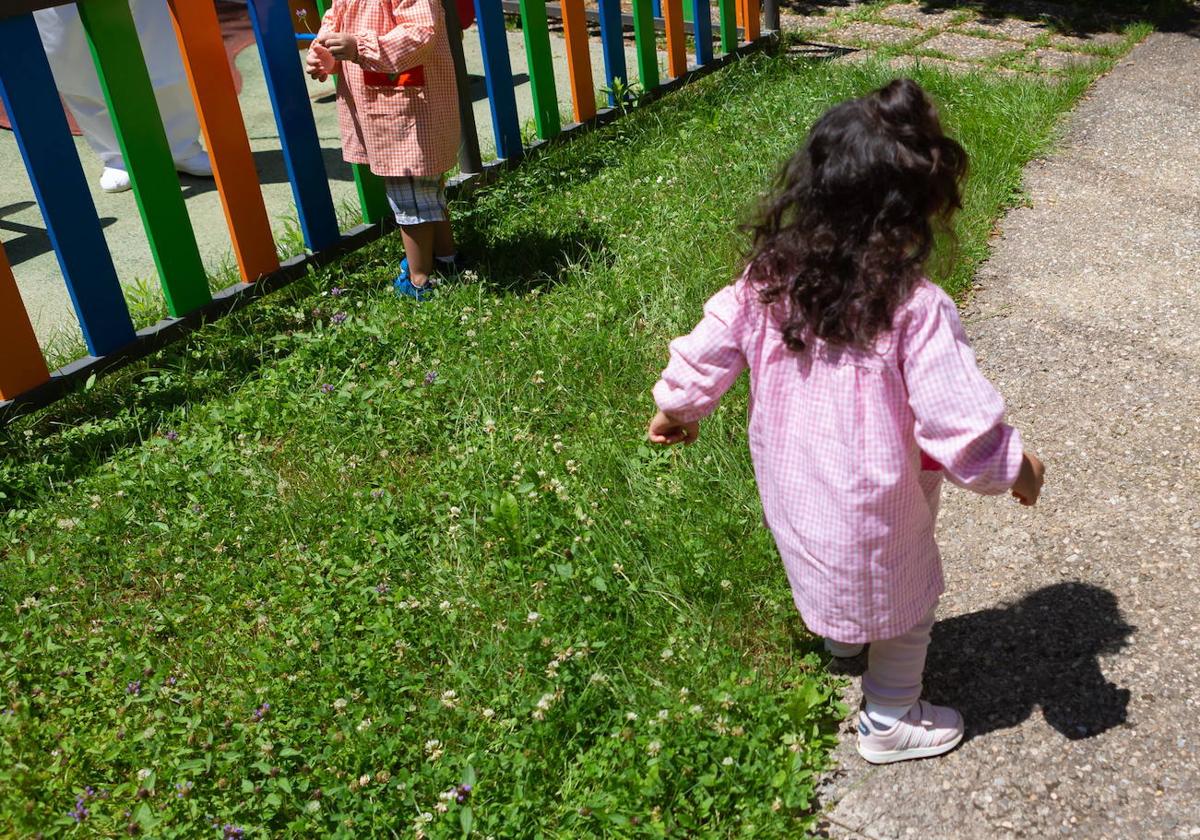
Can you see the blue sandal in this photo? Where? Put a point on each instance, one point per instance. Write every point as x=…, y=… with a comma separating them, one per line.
x=403, y=284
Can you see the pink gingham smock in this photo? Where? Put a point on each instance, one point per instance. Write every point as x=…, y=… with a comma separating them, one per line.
x=837, y=436
x=398, y=131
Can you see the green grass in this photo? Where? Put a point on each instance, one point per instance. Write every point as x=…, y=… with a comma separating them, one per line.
x=430, y=537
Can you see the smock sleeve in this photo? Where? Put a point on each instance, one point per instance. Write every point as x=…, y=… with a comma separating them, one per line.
x=406, y=46
x=705, y=362
x=959, y=415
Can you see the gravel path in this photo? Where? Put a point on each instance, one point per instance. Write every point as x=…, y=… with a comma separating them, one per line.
x=1069, y=635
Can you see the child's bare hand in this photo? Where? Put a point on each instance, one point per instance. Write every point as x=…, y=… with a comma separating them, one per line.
x=343, y=46
x=1028, y=485
x=320, y=62
x=665, y=430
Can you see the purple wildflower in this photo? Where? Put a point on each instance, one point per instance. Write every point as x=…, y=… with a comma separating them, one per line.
x=302, y=13
x=182, y=789
x=134, y=688
x=171, y=435
x=171, y=680
x=383, y=588
x=326, y=388
x=80, y=812
x=338, y=318
x=463, y=794
x=337, y=291
x=377, y=494
x=232, y=832
x=431, y=377
x=261, y=712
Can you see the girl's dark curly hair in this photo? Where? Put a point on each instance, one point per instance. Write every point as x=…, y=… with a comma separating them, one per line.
x=847, y=232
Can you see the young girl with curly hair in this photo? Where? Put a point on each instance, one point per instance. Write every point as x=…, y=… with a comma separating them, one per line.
x=864, y=395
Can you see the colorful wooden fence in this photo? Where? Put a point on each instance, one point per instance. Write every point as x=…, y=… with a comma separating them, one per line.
x=72, y=224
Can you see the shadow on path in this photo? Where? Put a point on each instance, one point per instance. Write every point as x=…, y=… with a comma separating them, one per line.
x=997, y=666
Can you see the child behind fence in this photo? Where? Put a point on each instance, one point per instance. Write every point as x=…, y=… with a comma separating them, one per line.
x=398, y=112
x=864, y=394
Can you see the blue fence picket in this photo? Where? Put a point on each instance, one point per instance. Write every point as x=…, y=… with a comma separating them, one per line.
x=497, y=73
x=44, y=138
x=612, y=45
x=702, y=31
x=276, y=38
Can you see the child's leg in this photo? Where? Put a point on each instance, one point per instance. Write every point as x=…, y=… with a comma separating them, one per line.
x=443, y=239
x=419, y=248
x=897, y=725
x=421, y=212
x=892, y=682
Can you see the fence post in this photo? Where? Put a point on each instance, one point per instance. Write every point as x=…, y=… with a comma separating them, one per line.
x=23, y=366
x=298, y=137
x=469, y=158
x=702, y=31
x=541, y=68
x=199, y=34
x=497, y=72
x=579, y=60
x=40, y=126
x=771, y=15
x=646, y=43
x=615, y=72
x=129, y=94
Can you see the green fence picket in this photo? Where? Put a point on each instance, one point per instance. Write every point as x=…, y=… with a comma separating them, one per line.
x=728, y=14
x=645, y=38
x=541, y=68
x=129, y=93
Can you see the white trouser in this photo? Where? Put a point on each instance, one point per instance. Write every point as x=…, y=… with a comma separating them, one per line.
x=75, y=75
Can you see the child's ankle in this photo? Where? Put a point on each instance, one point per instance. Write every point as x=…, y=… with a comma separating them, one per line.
x=883, y=716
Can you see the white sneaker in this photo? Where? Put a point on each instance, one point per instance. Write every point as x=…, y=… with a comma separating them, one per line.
x=843, y=650
x=927, y=730
x=198, y=165
x=113, y=180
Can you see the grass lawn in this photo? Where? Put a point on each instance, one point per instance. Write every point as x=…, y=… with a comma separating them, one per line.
x=311, y=569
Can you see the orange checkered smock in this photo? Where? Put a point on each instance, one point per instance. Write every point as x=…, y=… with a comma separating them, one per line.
x=397, y=118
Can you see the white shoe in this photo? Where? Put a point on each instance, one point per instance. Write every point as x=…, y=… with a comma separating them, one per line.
x=198, y=165
x=113, y=180
x=843, y=650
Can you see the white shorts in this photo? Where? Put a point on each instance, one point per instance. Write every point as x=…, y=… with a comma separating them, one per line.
x=417, y=201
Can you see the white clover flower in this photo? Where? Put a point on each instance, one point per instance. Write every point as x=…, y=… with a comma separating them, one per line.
x=618, y=568
x=364, y=780
x=631, y=716
x=696, y=709
x=572, y=467
x=727, y=584
x=727, y=761
x=538, y=714
x=489, y=713
x=444, y=606
x=144, y=774
x=455, y=512
x=545, y=701
x=339, y=704
x=533, y=618
x=441, y=807
x=663, y=715
x=450, y=698
x=654, y=748
x=777, y=805
x=667, y=654
x=364, y=725
x=539, y=377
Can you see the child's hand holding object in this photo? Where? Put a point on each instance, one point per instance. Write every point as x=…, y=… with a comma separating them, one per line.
x=342, y=45
x=665, y=430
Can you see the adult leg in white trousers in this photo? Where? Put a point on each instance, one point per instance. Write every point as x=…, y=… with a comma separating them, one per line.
x=66, y=47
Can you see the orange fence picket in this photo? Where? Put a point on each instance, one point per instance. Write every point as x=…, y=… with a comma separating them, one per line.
x=23, y=367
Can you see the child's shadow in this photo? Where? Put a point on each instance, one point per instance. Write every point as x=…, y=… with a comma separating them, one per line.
x=998, y=665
